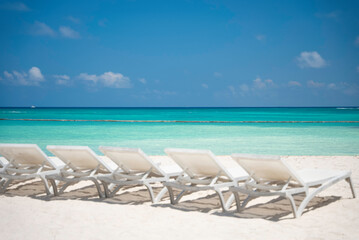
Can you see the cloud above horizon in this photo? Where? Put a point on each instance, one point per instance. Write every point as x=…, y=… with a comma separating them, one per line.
x=315, y=84
x=15, y=6
x=204, y=85
x=68, y=32
x=32, y=78
x=108, y=79
x=257, y=85
x=294, y=84
x=311, y=60
x=261, y=37
x=217, y=74
x=74, y=20
x=41, y=29
x=142, y=80
x=62, y=80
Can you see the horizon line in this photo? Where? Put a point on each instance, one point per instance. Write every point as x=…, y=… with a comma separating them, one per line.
x=34, y=107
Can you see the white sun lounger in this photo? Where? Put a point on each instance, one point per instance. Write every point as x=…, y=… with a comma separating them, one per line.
x=26, y=161
x=272, y=176
x=136, y=169
x=81, y=164
x=3, y=162
x=203, y=171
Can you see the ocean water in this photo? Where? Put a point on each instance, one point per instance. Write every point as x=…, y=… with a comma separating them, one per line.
x=301, y=137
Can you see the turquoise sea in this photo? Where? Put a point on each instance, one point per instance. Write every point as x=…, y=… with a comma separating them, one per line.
x=283, y=131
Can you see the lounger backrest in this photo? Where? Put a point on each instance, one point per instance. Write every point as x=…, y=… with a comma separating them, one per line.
x=198, y=163
x=25, y=154
x=131, y=159
x=3, y=162
x=80, y=157
x=267, y=168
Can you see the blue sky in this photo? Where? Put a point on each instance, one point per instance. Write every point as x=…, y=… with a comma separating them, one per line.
x=179, y=53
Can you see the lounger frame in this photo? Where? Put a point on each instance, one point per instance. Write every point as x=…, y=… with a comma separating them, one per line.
x=255, y=188
x=18, y=168
x=189, y=181
x=72, y=174
x=126, y=175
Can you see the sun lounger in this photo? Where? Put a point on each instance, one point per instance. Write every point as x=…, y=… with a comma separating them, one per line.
x=24, y=162
x=202, y=171
x=3, y=162
x=81, y=164
x=272, y=176
x=136, y=169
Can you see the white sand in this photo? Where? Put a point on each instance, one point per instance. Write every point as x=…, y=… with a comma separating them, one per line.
x=78, y=214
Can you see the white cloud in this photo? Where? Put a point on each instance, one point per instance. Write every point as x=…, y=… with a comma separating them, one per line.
x=33, y=78
x=332, y=86
x=87, y=77
x=142, y=80
x=314, y=84
x=41, y=29
x=311, y=59
x=204, y=85
x=35, y=74
x=258, y=86
x=217, y=74
x=244, y=88
x=294, y=83
x=62, y=79
x=261, y=37
x=68, y=32
x=15, y=6
x=232, y=89
x=8, y=75
x=74, y=20
x=258, y=83
x=357, y=41
x=108, y=79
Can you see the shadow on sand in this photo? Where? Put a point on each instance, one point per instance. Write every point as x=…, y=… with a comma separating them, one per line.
x=273, y=210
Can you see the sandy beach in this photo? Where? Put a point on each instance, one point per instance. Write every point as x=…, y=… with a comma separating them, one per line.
x=79, y=214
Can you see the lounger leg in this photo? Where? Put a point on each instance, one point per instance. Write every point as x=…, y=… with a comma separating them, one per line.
x=229, y=201
x=315, y=192
x=294, y=207
x=170, y=192
x=150, y=190
x=106, y=190
x=2, y=181
x=5, y=185
x=47, y=188
x=221, y=199
x=100, y=194
x=114, y=191
x=66, y=185
x=246, y=201
x=160, y=194
x=179, y=196
x=54, y=187
x=238, y=201
x=349, y=180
